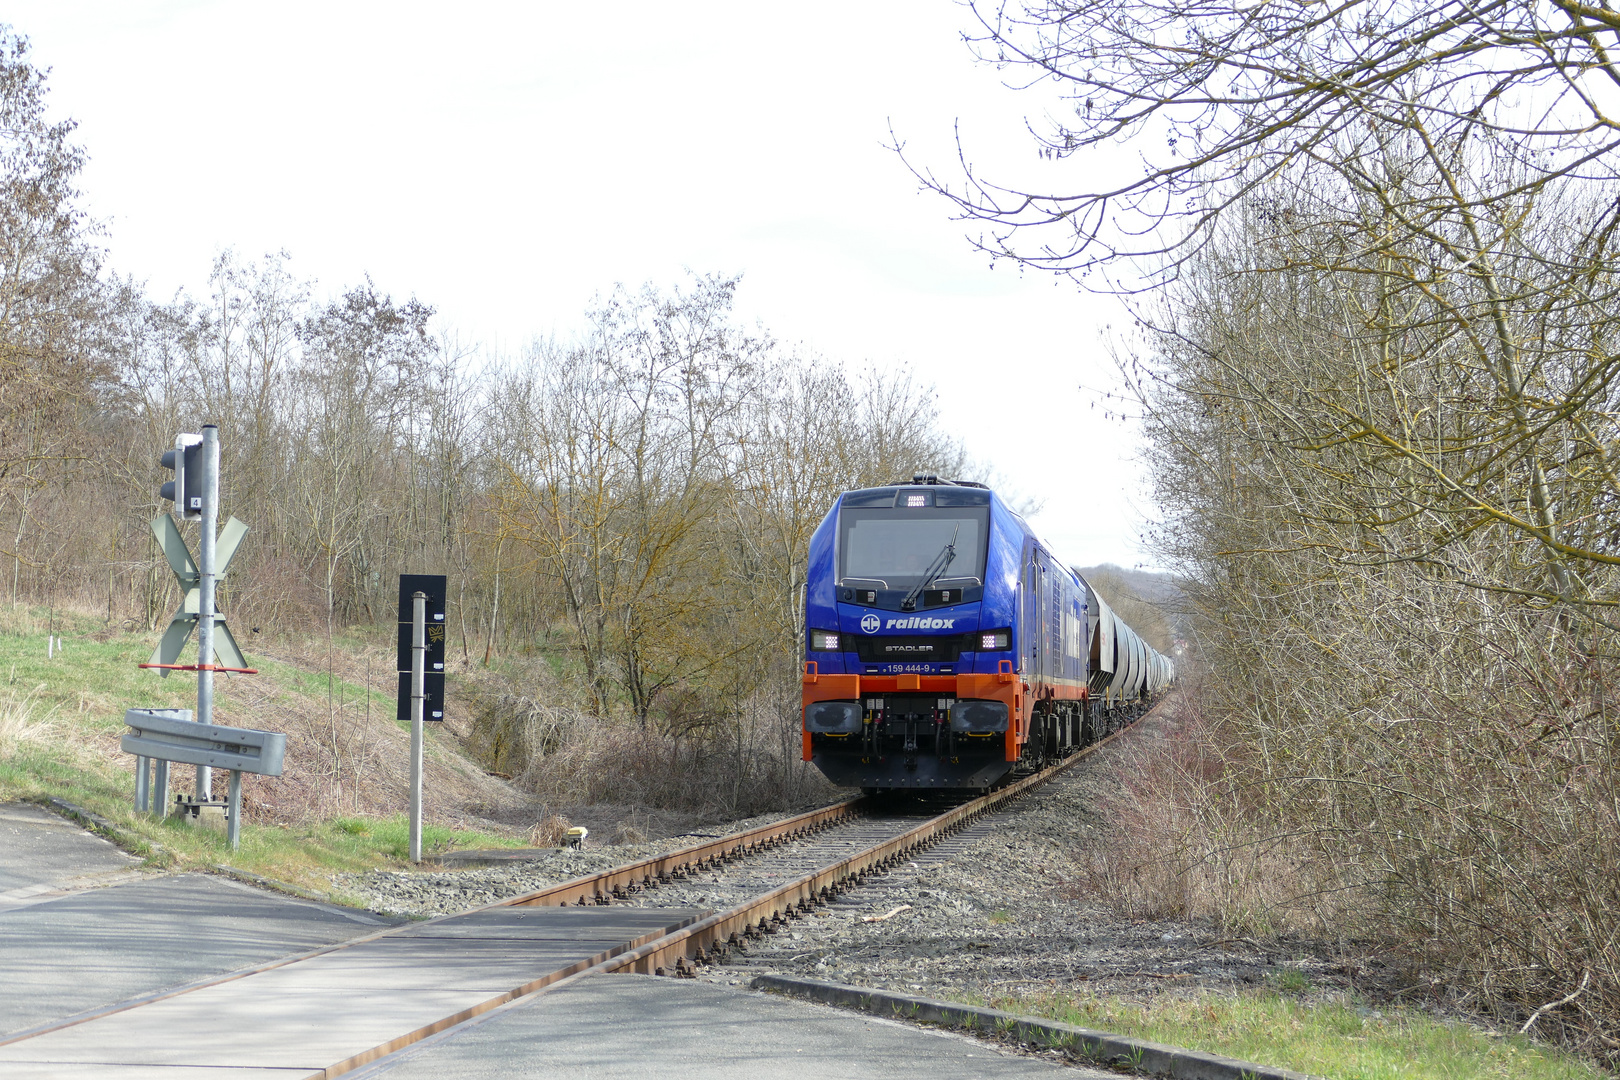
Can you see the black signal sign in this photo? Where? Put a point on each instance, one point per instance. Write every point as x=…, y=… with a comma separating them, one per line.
x=433, y=660
x=434, y=633
x=432, y=697
x=434, y=586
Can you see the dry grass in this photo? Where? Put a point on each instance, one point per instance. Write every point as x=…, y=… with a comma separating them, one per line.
x=1184, y=844
x=565, y=757
x=627, y=832
x=348, y=755
x=549, y=831
x=1444, y=792
x=23, y=719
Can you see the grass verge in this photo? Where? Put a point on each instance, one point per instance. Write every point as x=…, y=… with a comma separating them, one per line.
x=61, y=716
x=1341, y=1039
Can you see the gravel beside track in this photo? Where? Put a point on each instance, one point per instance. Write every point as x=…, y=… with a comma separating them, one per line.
x=418, y=894
x=733, y=884
x=994, y=910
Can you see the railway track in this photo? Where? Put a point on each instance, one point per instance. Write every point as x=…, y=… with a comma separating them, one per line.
x=788, y=868
x=353, y=1005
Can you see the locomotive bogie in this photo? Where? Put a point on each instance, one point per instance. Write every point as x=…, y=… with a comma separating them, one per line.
x=911, y=741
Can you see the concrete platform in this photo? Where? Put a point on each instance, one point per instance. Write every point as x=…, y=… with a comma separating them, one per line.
x=307, y=1014
x=91, y=949
x=619, y=1027
x=42, y=853
x=81, y=928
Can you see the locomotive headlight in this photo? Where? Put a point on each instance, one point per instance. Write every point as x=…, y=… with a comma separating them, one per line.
x=833, y=717
x=979, y=717
x=824, y=641
x=994, y=640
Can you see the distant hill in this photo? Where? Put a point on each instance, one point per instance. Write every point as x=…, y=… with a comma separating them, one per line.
x=1146, y=584
x=1150, y=603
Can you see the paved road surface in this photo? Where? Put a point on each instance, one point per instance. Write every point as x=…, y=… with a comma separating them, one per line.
x=619, y=1027
x=71, y=942
x=41, y=852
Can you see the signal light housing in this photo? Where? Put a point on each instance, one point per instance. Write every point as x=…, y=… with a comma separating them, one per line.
x=186, y=489
x=993, y=640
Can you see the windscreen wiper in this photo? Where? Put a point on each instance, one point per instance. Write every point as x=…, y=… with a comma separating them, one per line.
x=935, y=568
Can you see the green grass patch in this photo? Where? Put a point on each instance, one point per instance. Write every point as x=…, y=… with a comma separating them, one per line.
x=1290, y=980
x=1340, y=1039
x=391, y=837
x=59, y=715
x=304, y=854
x=94, y=677
x=347, y=843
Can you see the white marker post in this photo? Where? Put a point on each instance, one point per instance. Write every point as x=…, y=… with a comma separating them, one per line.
x=418, y=694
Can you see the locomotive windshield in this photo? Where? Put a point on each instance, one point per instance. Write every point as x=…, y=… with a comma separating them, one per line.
x=893, y=547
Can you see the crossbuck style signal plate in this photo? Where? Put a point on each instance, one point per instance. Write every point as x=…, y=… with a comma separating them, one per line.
x=186, y=572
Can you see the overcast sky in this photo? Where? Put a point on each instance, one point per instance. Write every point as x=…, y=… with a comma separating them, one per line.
x=505, y=162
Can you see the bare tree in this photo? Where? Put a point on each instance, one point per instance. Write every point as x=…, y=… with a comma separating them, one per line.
x=362, y=357
x=1404, y=708
x=1371, y=251
x=55, y=359
x=1221, y=100
x=619, y=479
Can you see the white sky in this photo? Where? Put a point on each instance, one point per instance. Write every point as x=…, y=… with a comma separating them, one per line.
x=504, y=162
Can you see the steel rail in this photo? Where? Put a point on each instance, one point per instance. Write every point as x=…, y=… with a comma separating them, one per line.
x=674, y=952
x=620, y=881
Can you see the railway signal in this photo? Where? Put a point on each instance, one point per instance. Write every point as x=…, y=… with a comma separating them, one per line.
x=432, y=587
x=432, y=696
x=421, y=640
x=186, y=489
x=195, y=493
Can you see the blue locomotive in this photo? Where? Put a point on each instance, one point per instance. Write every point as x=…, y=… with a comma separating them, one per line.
x=946, y=646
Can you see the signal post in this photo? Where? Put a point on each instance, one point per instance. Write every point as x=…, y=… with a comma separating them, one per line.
x=195, y=494
x=421, y=675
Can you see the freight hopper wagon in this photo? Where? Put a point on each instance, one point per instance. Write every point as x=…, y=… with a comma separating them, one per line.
x=946, y=647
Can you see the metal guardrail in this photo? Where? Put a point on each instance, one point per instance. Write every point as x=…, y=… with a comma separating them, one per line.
x=159, y=736
x=171, y=735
